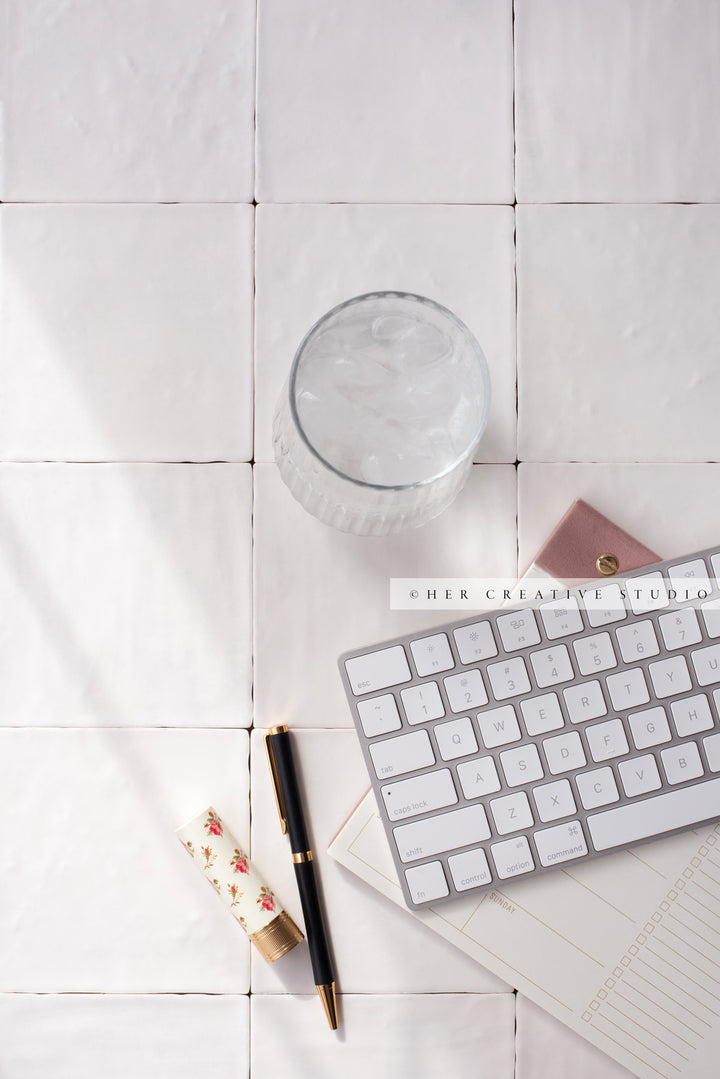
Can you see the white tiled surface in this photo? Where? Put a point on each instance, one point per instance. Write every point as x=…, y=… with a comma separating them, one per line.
x=471, y=1036
x=129, y=386
x=81, y=1037
x=127, y=333
x=617, y=101
x=354, y=101
x=142, y=103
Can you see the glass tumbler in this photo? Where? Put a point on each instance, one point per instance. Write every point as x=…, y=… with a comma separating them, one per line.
x=386, y=401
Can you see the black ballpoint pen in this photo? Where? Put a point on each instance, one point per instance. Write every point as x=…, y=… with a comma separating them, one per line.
x=287, y=794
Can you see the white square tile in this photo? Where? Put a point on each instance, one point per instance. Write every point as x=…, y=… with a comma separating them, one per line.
x=670, y=508
x=310, y=258
x=617, y=101
x=377, y=102
x=98, y=893
x=548, y=1050
x=134, y=102
x=389, y=1037
x=148, y=1037
x=127, y=333
x=319, y=592
x=618, y=324
x=127, y=595
x=378, y=947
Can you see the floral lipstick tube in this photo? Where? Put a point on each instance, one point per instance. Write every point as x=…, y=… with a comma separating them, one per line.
x=220, y=857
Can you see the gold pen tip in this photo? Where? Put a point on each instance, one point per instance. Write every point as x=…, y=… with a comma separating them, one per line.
x=327, y=996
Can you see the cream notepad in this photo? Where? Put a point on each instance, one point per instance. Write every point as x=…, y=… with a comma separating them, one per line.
x=625, y=950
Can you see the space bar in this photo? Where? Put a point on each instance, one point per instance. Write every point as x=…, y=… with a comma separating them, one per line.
x=654, y=816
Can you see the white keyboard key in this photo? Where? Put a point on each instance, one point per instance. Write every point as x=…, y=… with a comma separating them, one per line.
x=421, y=794
x=564, y=753
x=561, y=617
x=465, y=691
x=456, y=739
x=715, y=563
x=378, y=670
x=475, y=642
x=712, y=752
x=639, y=776
x=458, y=828
x=682, y=762
x=595, y=653
x=711, y=617
x=637, y=641
x=518, y=629
x=604, y=605
x=561, y=843
x=406, y=753
x=511, y=813
x=692, y=715
x=478, y=777
x=379, y=715
x=680, y=808
x=432, y=654
x=551, y=666
x=512, y=857
x=680, y=628
x=542, y=714
x=670, y=676
x=597, y=788
x=649, y=728
x=628, y=690
x=690, y=580
x=422, y=703
x=647, y=592
x=521, y=765
x=585, y=701
x=509, y=678
x=427, y=882
x=469, y=869
x=607, y=740
x=554, y=800
x=498, y=726
x=706, y=662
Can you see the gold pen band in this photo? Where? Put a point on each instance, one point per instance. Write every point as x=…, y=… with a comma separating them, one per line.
x=302, y=856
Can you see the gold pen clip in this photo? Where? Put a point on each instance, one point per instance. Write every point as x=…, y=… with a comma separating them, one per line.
x=273, y=773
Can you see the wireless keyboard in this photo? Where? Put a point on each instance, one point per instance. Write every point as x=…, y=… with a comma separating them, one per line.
x=519, y=741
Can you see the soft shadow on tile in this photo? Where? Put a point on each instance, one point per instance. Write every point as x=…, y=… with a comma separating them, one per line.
x=548, y=1050
x=310, y=258
x=148, y=1037
x=464, y=1036
x=126, y=592
x=378, y=102
x=127, y=333
x=129, y=102
x=319, y=592
x=618, y=324
x=615, y=101
x=669, y=508
x=98, y=893
x=378, y=947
